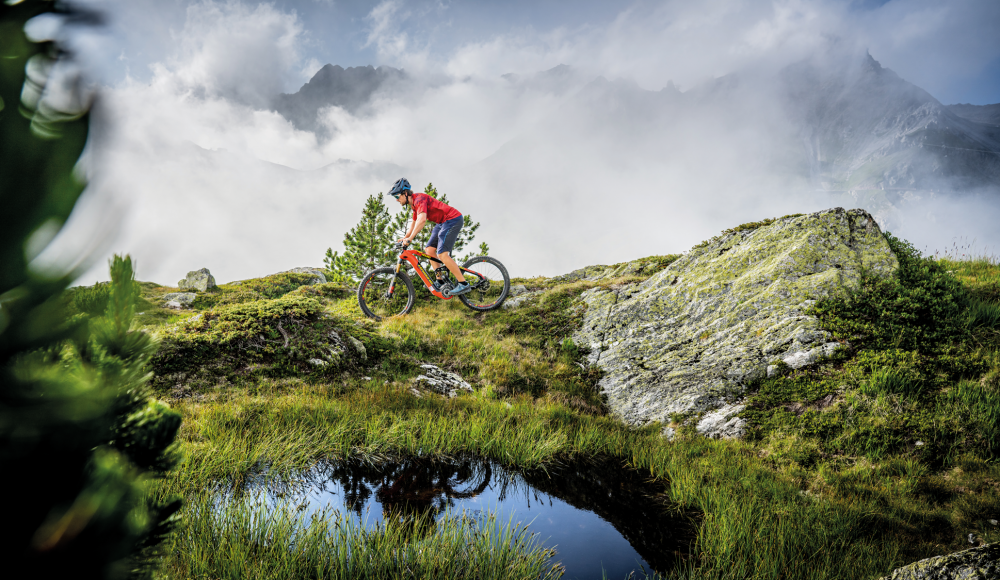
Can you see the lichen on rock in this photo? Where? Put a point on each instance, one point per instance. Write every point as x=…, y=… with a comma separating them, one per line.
x=982, y=563
x=438, y=380
x=318, y=277
x=694, y=336
x=178, y=300
x=641, y=267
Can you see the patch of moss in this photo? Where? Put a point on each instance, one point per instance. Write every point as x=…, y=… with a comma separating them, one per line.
x=252, y=290
x=281, y=337
x=744, y=227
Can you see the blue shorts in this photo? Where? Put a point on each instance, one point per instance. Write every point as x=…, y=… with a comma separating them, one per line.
x=443, y=236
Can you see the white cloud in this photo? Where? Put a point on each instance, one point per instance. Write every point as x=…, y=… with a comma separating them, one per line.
x=234, y=51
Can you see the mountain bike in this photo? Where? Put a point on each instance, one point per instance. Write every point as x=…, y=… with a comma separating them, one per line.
x=388, y=291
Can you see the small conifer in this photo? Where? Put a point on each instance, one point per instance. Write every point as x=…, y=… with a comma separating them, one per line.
x=367, y=246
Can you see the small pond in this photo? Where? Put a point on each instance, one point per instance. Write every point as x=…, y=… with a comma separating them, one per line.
x=603, y=520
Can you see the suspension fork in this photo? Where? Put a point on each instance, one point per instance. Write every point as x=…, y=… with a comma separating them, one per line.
x=392, y=285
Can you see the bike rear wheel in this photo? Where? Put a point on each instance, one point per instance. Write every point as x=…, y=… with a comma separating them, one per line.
x=490, y=283
x=375, y=299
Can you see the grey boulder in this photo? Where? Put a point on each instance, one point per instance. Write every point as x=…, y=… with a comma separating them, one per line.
x=318, y=277
x=693, y=337
x=518, y=295
x=982, y=563
x=439, y=381
x=179, y=300
x=198, y=281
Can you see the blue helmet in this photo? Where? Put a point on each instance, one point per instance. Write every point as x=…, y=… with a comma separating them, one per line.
x=399, y=187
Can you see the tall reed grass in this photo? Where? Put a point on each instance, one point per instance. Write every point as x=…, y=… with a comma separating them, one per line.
x=248, y=540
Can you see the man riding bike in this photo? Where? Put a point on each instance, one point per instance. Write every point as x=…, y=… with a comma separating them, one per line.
x=449, y=222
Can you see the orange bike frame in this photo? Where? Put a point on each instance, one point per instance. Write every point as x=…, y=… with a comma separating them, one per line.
x=412, y=257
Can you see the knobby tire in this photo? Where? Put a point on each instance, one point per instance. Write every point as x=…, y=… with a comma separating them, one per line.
x=373, y=294
x=492, y=293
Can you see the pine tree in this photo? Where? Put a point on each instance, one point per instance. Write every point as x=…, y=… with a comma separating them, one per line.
x=367, y=246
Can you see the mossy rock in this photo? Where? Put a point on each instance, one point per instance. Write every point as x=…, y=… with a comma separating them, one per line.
x=982, y=563
x=693, y=337
x=280, y=337
x=641, y=267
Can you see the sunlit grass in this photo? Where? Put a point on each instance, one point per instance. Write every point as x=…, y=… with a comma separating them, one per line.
x=243, y=539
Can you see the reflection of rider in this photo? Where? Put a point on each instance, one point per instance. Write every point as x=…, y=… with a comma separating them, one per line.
x=414, y=489
x=448, y=222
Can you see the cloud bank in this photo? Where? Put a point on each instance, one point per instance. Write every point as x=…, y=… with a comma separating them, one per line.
x=561, y=170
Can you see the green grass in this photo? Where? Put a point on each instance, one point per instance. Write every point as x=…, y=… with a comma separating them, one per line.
x=243, y=539
x=881, y=455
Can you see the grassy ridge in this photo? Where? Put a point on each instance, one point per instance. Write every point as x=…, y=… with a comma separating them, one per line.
x=830, y=484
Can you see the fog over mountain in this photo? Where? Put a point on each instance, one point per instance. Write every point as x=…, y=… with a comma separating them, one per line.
x=860, y=126
x=333, y=86
x=571, y=146
x=836, y=128
x=986, y=114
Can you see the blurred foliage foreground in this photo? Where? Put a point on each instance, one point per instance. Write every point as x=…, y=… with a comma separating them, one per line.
x=79, y=435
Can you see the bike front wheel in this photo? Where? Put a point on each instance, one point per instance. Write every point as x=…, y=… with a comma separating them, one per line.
x=490, y=283
x=381, y=298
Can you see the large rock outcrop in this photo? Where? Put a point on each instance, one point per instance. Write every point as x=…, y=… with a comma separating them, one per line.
x=982, y=563
x=691, y=338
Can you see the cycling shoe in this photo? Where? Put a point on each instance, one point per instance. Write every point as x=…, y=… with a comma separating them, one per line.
x=461, y=288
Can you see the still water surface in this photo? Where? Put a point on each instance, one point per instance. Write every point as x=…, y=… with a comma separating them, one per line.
x=603, y=520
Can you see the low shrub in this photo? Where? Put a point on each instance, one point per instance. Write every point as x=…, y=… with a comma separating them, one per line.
x=252, y=290
x=920, y=308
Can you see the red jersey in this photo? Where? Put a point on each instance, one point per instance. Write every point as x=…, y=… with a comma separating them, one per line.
x=437, y=211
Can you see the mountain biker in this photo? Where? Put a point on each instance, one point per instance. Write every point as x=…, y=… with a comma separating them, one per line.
x=448, y=223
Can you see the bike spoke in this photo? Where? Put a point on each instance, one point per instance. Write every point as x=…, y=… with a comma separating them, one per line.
x=383, y=297
x=487, y=284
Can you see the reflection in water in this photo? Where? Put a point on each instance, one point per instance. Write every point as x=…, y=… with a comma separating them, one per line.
x=570, y=507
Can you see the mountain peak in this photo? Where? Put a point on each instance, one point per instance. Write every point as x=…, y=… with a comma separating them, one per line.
x=350, y=88
x=871, y=63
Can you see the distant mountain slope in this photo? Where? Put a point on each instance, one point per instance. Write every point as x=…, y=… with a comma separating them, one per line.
x=986, y=114
x=350, y=88
x=837, y=122
x=864, y=127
